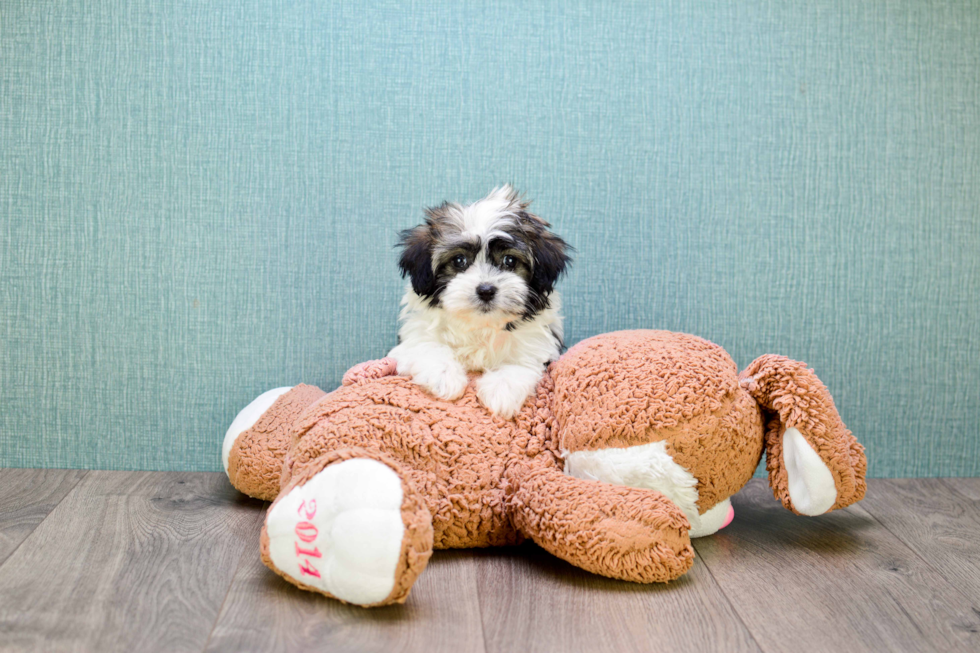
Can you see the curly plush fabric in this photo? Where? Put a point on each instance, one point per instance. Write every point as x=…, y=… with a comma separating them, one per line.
x=255, y=461
x=370, y=370
x=454, y=453
x=620, y=532
x=795, y=398
x=472, y=479
x=633, y=387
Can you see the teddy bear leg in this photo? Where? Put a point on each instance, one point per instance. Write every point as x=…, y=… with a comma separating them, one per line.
x=815, y=464
x=651, y=466
x=258, y=438
x=621, y=532
x=350, y=526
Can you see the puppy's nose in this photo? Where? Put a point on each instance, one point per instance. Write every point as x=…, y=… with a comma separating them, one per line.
x=486, y=291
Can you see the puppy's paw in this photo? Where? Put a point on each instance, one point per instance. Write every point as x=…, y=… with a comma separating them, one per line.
x=444, y=379
x=504, y=391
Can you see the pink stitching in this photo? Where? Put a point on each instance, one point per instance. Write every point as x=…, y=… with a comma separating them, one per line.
x=307, y=532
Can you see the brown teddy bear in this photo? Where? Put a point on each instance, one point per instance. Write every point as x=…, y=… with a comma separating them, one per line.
x=632, y=444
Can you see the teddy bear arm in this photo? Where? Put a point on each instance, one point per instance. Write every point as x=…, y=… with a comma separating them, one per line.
x=620, y=532
x=368, y=370
x=815, y=463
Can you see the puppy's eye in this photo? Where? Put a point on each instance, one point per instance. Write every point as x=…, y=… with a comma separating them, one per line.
x=508, y=262
x=459, y=262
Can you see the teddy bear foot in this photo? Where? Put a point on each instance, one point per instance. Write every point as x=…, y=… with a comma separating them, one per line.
x=349, y=532
x=714, y=519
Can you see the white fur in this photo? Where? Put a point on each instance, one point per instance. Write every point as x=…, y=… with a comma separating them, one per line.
x=648, y=466
x=247, y=418
x=811, y=484
x=511, y=292
x=438, y=348
x=504, y=389
x=481, y=218
x=358, y=530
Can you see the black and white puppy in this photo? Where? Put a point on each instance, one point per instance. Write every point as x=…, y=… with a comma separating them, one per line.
x=481, y=299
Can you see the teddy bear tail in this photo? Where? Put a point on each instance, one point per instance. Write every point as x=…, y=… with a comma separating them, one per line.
x=815, y=464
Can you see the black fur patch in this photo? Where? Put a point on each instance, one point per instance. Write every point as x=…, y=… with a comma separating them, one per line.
x=416, y=260
x=430, y=278
x=551, y=258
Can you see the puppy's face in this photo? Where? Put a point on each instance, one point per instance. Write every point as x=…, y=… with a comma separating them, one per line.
x=492, y=260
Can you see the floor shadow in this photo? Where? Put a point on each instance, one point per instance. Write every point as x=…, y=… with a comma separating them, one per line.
x=528, y=558
x=764, y=521
x=336, y=611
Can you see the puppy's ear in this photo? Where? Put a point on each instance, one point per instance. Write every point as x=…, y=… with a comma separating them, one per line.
x=552, y=255
x=551, y=258
x=416, y=259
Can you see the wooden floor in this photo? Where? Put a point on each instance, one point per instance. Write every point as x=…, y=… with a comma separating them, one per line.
x=136, y=561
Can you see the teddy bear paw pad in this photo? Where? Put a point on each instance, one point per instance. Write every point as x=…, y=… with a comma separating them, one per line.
x=341, y=531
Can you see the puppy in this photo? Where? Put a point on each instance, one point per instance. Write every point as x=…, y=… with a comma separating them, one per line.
x=481, y=299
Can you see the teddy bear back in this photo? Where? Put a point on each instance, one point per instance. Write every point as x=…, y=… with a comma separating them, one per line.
x=630, y=388
x=613, y=389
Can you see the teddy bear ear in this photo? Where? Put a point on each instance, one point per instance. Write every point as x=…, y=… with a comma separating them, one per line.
x=815, y=464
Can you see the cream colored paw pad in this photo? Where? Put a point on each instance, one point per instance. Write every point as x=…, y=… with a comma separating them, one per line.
x=341, y=531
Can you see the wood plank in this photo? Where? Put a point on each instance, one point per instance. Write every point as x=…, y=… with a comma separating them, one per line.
x=532, y=601
x=939, y=524
x=128, y=561
x=968, y=488
x=837, y=582
x=265, y=613
x=143, y=561
x=26, y=498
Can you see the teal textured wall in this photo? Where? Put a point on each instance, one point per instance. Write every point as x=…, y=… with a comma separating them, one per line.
x=199, y=200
